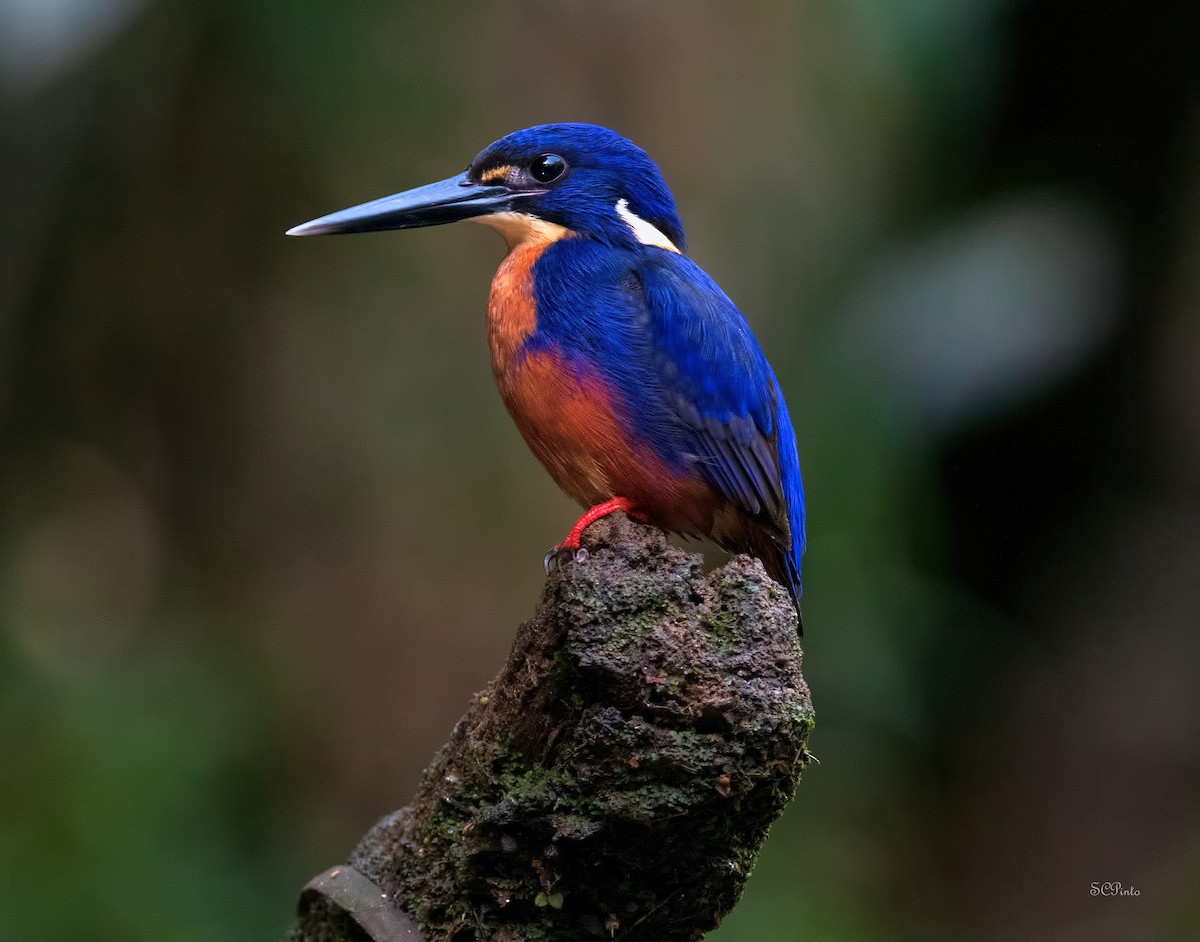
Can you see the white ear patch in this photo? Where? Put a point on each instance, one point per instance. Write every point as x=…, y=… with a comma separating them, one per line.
x=645, y=232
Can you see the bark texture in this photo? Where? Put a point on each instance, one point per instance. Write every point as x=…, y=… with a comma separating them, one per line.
x=618, y=777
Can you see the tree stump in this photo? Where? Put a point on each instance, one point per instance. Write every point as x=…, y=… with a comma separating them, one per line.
x=618, y=777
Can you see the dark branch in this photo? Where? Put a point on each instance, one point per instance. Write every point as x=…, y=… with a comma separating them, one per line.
x=618, y=777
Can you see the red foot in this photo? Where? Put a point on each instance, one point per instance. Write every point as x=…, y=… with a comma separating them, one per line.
x=600, y=510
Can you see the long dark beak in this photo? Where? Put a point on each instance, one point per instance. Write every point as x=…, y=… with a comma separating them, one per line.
x=430, y=205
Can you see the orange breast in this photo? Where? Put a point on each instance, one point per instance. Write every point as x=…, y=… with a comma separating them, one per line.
x=574, y=422
x=512, y=313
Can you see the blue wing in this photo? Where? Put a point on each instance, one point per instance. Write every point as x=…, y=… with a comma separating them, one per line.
x=722, y=389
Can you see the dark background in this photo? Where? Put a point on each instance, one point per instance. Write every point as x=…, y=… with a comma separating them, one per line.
x=265, y=526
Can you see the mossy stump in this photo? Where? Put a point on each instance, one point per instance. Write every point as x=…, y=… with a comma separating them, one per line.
x=618, y=777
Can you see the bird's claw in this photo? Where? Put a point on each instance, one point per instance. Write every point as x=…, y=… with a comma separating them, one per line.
x=560, y=554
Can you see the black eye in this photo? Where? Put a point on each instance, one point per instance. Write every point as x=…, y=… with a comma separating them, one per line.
x=547, y=168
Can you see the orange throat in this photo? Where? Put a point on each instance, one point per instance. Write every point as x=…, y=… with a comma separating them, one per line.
x=512, y=310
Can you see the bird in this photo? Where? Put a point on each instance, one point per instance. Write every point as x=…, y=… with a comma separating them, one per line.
x=633, y=378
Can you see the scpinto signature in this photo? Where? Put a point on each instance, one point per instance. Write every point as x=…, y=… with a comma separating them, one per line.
x=1114, y=888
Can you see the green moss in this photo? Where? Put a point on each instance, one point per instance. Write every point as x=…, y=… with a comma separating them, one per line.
x=802, y=717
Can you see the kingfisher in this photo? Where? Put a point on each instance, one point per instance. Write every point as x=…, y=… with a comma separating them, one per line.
x=632, y=377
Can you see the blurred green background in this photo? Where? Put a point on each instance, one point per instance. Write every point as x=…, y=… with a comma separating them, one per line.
x=265, y=526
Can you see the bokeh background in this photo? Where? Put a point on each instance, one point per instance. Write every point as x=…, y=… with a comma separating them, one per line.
x=265, y=526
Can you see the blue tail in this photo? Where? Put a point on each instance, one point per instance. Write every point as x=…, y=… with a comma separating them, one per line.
x=793, y=495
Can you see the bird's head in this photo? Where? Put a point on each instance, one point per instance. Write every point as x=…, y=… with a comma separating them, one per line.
x=540, y=183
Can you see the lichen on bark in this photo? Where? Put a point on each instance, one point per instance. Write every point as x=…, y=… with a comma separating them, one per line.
x=618, y=777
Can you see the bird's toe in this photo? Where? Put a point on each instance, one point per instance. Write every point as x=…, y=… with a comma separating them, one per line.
x=560, y=555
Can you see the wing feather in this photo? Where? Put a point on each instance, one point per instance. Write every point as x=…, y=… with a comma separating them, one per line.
x=720, y=383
